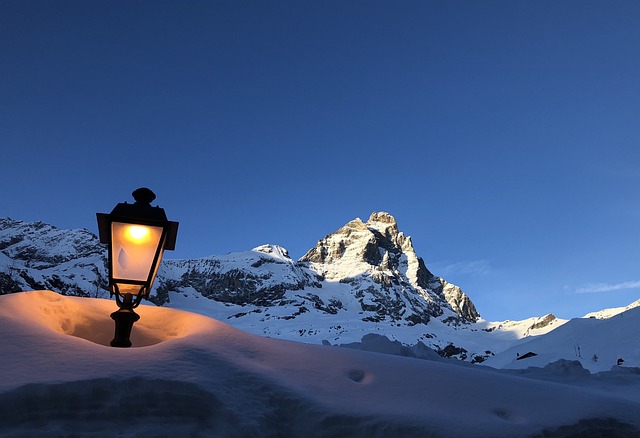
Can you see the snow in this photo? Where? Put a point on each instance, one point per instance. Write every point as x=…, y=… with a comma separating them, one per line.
x=347, y=326
x=189, y=374
x=596, y=343
x=608, y=313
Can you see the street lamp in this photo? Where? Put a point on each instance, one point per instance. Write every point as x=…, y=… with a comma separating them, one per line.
x=137, y=235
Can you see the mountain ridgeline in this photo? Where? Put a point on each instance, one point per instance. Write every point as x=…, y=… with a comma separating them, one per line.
x=365, y=274
x=375, y=262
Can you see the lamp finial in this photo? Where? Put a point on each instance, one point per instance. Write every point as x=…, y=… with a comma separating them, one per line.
x=143, y=195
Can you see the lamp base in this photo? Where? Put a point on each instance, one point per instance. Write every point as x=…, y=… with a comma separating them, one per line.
x=124, y=319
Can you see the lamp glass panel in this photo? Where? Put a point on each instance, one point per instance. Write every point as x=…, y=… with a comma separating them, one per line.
x=125, y=288
x=133, y=250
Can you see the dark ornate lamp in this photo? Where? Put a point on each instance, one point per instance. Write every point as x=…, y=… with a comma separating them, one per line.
x=137, y=235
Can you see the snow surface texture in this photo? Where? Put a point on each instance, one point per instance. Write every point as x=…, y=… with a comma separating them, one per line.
x=190, y=375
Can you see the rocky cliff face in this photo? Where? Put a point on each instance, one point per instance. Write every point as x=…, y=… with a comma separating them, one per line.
x=459, y=301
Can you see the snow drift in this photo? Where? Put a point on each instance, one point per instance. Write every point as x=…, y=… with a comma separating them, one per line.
x=189, y=374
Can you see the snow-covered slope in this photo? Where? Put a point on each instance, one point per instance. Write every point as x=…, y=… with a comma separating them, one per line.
x=189, y=375
x=608, y=313
x=596, y=343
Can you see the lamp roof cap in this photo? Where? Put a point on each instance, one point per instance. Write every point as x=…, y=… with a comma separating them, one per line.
x=143, y=195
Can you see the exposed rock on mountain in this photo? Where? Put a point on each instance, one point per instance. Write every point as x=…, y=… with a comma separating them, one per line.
x=543, y=322
x=459, y=301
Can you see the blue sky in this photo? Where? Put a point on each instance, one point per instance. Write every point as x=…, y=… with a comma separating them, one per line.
x=502, y=135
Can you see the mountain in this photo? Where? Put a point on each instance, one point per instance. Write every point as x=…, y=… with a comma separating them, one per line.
x=386, y=274
x=595, y=343
x=364, y=278
x=35, y=255
x=608, y=313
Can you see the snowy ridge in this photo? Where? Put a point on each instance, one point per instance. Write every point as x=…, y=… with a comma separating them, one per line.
x=535, y=326
x=608, y=313
x=596, y=343
x=198, y=376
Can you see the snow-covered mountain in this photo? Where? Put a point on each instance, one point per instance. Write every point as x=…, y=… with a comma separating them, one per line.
x=608, y=313
x=35, y=255
x=597, y=343
x=363, y=279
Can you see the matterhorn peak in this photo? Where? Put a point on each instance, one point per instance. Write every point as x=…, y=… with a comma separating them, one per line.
x=381, y=216
x=386, y=225
x=380, y=262
x=361, y=242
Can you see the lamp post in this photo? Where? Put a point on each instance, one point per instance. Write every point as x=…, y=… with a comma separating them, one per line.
x=137, y=235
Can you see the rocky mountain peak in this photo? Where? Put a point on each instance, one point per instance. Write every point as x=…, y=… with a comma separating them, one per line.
x=357, y=241
x=383, y=222
x=386, y=227
x=349, y=242
x=377, y=251
x=381, y=216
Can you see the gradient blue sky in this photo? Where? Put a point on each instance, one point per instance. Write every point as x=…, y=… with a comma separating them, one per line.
x=504, y=136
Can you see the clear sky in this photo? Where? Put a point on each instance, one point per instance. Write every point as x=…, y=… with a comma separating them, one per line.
x=503, y=135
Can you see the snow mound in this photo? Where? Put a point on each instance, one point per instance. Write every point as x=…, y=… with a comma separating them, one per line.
x=72, y=316
x=190, y=375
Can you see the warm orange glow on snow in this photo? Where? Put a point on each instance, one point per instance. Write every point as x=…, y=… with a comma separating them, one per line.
x=88, y=318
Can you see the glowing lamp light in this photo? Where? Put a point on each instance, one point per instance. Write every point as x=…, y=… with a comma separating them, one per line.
x=137, y=235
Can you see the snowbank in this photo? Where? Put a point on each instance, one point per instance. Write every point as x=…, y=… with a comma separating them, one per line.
x=189, y=374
